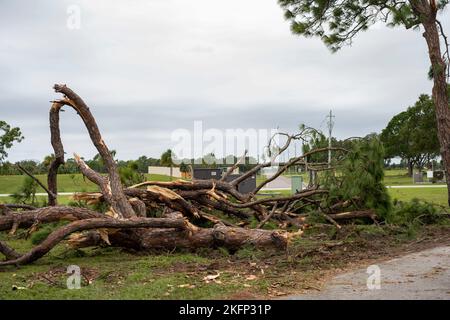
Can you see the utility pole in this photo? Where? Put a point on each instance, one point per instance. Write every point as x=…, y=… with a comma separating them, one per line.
x=330, y=131
x=288, y=158
x=295, y=155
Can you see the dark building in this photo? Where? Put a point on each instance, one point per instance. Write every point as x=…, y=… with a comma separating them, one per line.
x=246, y=186
x=207, y=174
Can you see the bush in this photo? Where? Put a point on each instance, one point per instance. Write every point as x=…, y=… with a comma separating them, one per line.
x=130, y=175
x=26, y=193
x=415, y=211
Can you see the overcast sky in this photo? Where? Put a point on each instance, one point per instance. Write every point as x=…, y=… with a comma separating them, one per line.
x=148, y=67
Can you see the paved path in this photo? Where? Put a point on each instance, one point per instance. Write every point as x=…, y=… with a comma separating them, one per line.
x=280, y=183
x=421, y=275
x=419, y=186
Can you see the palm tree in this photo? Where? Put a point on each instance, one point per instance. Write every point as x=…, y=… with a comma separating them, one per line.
x=166, y=160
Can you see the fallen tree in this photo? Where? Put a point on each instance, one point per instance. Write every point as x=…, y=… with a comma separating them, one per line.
x=168, y=215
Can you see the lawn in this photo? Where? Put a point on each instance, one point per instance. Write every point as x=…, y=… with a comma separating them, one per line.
x=397, y=180
x=76, y=183
x=62, y=200
x=395, y=177
x=110, y=273
x=66, y=182
x=435, y=195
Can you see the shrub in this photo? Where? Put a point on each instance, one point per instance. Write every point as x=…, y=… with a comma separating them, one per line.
x=27, y=192
x=130, y=175
x=415, y=211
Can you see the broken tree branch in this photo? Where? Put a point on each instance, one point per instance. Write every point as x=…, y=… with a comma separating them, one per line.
x=57, y=236
x=119, y=202
x=55, y=138
x=233, y=167
x=28, y=173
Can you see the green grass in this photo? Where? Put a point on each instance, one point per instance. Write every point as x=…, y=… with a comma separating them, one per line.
x=434, y=195
x=395, y=172
x=76, y=182
x=395, y=177
x=113, y=275
x=62, y=200
x=66, y=182
x=397, y=180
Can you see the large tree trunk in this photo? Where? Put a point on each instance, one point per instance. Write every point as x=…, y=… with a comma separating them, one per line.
x=59, y=154
x=427, y=12
x=169, y=232
x=440, y=97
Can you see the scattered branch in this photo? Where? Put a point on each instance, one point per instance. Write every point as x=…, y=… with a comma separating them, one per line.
x=25, y=171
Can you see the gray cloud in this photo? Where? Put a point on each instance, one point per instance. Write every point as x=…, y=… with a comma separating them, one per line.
x=149, y=67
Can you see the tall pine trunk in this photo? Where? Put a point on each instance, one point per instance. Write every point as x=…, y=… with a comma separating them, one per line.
x=440, y=97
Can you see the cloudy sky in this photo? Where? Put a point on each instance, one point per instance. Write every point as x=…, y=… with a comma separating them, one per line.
x=149, y=67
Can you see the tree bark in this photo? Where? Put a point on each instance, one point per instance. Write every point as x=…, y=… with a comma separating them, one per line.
x=138, y=233
x=113, y=187
x=8, y=252
x=170, y=239
x=46, y=215
x=55, y=137
x=57, y=236
x=427, y=11
x=353, y=214
x=440, y=98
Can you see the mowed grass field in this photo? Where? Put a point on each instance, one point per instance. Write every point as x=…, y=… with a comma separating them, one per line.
x=66, y=182
x=77, y=183
x=434, y=195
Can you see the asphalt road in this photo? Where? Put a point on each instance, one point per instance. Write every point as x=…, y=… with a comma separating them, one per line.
x=421, y=275
x=280, y=183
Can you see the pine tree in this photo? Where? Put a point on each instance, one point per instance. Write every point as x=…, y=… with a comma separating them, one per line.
x=337, y=22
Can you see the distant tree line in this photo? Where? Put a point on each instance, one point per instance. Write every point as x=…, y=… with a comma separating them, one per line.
x=140, y=165
x=412, y=137
x=41, y=167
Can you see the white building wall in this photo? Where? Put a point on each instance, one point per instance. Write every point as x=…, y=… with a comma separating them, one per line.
x=165, y=171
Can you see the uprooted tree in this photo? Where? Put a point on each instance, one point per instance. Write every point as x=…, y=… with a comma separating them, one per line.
x=198, y=213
